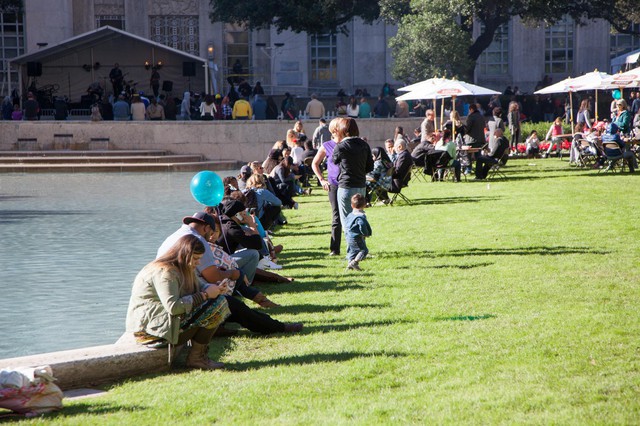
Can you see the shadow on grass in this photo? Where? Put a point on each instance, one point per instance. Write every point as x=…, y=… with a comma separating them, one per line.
x=474, y=265
x=298, y=232
x=465, y=317
x=523, y=251
x=92, y=407
x=314, y=286
x=312, y=359
x=513, y=251
x=449, y=200
x=310, y=308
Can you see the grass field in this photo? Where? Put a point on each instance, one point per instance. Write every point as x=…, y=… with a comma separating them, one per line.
x=503, y=302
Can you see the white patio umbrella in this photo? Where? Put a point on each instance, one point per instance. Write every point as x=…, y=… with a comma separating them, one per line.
x=589, y=81
x=622, y=80
x=438, y=88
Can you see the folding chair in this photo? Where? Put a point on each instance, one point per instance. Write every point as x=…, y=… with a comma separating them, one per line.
x=418, y=173
x=373, y=194
x=587, y=154
x=440, y=166
x=614, y=158
x=495, y=172
x=399, y=193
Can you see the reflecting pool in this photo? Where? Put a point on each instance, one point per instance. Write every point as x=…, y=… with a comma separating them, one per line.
x=70, y=247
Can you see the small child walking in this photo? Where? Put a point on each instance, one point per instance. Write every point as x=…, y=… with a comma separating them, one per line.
x=357, y=228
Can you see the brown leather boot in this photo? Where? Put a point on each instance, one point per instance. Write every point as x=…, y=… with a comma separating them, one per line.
x=199, y=358
x=262, y=300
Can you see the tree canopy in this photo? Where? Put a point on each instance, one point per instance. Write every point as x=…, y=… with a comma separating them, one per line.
x=429, y=28
x=312, y=16
x=434, y=36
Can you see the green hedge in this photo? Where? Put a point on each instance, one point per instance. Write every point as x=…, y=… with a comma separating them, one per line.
x=542, y=128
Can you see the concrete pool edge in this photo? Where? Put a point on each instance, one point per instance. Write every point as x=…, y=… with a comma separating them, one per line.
x=96, y=365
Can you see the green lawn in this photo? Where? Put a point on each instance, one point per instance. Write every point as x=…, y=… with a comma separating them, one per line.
x=511, y=302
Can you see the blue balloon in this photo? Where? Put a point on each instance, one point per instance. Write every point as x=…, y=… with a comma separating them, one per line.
x=617, y=94
x=207, y=188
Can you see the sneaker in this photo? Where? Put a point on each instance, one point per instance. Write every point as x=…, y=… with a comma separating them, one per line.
x=295, y=206
x=354, y=265
x=334, y=253
x=267, y=263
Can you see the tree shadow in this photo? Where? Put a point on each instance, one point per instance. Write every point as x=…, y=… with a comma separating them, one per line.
x=449, y=200
x=474, y=265
x=298, y=233
x=91, y=408
x=311, y=359
x=513, y=251
x=523, y=251
x=311, y=287
x=466, y=317
x=310, y=308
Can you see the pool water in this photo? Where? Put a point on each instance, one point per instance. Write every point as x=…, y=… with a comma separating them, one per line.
x=70, y=247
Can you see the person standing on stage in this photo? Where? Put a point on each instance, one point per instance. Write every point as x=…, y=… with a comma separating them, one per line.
x=116, y=77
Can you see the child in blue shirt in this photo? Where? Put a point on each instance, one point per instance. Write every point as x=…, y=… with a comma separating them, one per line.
x=356, y=230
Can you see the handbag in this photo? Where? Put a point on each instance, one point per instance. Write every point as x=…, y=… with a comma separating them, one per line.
x=209, y=315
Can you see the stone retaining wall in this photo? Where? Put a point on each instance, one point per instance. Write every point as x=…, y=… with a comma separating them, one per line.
x=218, y=140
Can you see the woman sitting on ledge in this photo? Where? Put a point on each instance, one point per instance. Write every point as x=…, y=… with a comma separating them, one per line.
x=168, y=305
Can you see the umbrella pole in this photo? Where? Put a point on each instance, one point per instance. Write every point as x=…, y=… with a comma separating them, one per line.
x=435, y=114
x=441, y=114
x=453, y=122
x=596, y=105
x=571, y=106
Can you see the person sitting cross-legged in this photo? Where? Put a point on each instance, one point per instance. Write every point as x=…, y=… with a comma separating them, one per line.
x=485, y=162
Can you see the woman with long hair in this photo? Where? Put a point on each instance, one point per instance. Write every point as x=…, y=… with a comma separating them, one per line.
x=583, y=116
x=353, y=108
x=166, y=292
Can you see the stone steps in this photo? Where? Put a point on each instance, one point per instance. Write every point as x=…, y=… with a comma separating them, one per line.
x=90, y=159
x=102, y=161
x=118, y=167
x=79, y=153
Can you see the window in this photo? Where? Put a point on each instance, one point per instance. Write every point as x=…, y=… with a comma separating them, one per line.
x=624, y=43
x=179, y=32
x=11, y=45
x=236, y=44
x=558, y=47
x=495, y=59
x=115, y=21
x=324, y=57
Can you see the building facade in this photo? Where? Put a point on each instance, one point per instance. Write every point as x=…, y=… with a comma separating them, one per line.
x=305, y=63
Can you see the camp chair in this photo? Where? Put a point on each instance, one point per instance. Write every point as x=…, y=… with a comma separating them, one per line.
x=613, y=158
x=372, y=194
x=398, y=191
x=440, y=167
x=587, y=154
x=495, y=172
x=418, y=172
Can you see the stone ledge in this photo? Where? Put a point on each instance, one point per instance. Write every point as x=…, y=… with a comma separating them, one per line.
x=94, y=365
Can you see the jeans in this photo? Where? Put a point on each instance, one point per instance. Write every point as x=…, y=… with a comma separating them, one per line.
x=356, y=248
x=336, y=224
x=247, y=261
x=244, y=290
x=344, y=201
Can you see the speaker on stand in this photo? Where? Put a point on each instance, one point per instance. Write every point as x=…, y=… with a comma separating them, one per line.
x=189, y=70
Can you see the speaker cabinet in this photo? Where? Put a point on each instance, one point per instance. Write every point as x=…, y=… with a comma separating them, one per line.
x=34, y=69
x=188, y=69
